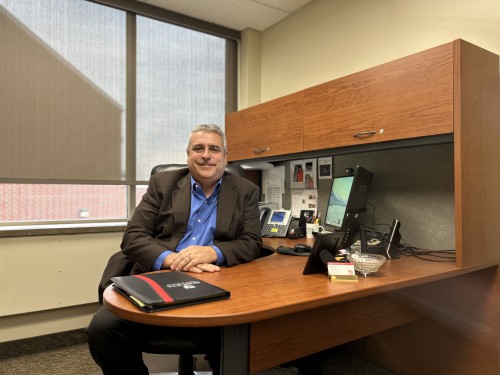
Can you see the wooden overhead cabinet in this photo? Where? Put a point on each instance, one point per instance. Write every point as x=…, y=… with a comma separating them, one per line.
x=267, y=129
x=406, y=98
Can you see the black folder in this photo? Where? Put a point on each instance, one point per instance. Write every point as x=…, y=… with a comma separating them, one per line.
x=166, y=290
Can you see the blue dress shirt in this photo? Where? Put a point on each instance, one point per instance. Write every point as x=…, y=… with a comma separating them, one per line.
x=201, y=225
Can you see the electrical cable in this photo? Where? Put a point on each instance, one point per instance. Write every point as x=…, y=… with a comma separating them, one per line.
x=428, y=254
x=409, y=250
x=373, y=217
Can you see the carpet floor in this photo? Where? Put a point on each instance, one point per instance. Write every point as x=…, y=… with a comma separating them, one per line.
x=72, y=357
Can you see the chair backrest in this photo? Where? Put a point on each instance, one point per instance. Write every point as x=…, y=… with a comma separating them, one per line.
x=166, y=167
x=236, y=169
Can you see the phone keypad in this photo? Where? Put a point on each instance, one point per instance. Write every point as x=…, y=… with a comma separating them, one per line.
x=271, y=230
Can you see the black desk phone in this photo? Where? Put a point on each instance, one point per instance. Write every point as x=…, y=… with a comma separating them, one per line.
x=276, y=223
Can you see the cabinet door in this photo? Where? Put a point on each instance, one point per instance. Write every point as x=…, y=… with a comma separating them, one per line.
x=267, y=129
x=405, y=98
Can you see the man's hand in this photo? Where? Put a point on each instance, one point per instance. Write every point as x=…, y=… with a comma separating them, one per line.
x=195, y=259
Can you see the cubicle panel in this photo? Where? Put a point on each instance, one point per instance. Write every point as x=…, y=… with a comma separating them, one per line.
x=477, y=156
x=414, y=185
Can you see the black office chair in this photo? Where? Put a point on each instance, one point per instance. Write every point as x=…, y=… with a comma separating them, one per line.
x=166, y=167
x=185, y=348
x=236, y=169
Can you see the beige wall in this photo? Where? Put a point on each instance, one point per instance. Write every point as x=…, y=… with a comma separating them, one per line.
x=49, y=283
x=249, y=68
x=328, y=39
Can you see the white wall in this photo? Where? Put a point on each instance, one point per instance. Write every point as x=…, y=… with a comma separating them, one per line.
x=328, y=39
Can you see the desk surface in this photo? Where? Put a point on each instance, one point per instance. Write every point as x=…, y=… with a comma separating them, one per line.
x=274, y=286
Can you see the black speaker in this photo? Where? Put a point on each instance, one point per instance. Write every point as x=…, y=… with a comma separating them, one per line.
x=389, y=248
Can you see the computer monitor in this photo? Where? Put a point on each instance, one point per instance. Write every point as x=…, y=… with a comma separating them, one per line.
x=347, y=200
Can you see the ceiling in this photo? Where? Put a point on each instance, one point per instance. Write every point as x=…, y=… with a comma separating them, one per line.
x=234, y=14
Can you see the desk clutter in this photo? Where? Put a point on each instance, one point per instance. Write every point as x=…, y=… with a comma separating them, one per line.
x=365, y=256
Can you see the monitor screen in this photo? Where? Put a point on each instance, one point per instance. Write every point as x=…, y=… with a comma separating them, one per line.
x=337, y=204
x=347, y=200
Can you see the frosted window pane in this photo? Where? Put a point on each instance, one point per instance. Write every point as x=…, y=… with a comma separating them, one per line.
x=47, y=202
x=180, y=84
x=62, y=98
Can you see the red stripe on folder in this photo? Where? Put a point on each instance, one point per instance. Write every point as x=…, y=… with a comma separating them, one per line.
x=157, y=288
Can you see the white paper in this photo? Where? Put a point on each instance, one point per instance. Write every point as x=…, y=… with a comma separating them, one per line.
x=304, y=200
x=273, y=185
x=273, y=173
x=273, y=192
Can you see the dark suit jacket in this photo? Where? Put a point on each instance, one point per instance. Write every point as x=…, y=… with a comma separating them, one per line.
x=160, y=221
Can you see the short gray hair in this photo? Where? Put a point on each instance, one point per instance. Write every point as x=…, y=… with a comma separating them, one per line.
x=211, y=128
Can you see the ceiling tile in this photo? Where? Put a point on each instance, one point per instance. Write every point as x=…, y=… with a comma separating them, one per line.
x=235, y=14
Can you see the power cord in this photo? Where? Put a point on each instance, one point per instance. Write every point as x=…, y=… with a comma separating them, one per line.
x=407, y=249
x=373, y=217
x=429, y=255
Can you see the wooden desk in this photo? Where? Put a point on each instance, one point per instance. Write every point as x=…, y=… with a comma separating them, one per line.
x=275, y=314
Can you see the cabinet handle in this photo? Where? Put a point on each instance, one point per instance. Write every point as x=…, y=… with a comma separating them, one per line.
x=261, y=150
x=363, y=134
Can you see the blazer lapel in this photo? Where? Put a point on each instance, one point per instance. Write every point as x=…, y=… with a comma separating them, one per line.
x=225, y=207
x=181, y=207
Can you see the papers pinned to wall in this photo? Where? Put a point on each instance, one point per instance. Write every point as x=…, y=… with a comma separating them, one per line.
x=273, y=185
x=304, y=200
x=303, y=174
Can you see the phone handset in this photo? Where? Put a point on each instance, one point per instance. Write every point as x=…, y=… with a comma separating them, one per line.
x=264, y=215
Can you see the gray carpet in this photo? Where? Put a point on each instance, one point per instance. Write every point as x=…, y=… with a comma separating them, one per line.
x=67, y=354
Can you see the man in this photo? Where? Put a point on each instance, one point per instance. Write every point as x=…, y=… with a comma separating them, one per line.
x=194, y=219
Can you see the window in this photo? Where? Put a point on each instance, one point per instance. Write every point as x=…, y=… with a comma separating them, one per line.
x=83, y=119
x=180, y=83
x=55, y=202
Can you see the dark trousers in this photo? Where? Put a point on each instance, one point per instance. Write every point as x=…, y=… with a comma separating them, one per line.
x=116, y=345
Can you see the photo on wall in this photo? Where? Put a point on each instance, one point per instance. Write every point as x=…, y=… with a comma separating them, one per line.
x=325, y=167
x=303, y=174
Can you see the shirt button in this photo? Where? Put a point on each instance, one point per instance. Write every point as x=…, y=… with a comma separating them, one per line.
x=194, y=238
x=199, y=221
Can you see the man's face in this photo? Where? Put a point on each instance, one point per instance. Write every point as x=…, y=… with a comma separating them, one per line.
x=207, y=158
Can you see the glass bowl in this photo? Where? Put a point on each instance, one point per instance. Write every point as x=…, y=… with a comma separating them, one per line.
x=366, y=263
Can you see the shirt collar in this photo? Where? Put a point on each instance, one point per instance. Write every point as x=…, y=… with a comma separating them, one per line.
x=196, y=189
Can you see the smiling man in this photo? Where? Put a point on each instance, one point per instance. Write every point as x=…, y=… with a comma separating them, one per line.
x=194, y=219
